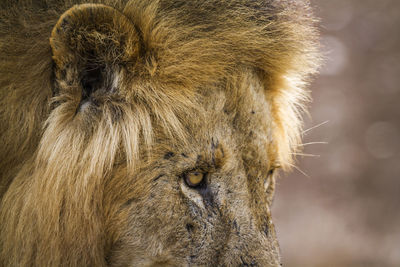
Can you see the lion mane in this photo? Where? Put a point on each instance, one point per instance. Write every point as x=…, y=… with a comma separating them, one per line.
x=93, y=94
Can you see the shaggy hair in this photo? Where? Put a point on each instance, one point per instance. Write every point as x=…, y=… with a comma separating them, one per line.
x=57, y=154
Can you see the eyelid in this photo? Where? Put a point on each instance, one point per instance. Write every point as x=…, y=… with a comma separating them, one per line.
x=273, y=168
x=276, y=166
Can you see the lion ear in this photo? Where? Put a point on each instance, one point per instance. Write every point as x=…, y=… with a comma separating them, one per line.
x=90, y=41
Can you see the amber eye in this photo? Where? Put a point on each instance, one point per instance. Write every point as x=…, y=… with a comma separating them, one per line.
x=194, y=178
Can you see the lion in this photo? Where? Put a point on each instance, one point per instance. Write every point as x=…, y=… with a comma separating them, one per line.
x=148, y=133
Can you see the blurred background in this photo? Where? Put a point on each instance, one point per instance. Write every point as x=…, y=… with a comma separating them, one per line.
x=345, y=209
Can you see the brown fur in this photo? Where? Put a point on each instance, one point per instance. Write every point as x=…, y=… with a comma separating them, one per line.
x=103, y=108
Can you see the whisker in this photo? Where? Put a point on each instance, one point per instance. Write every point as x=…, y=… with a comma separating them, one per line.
x=313, y=143
x=313, y=127
x=299, y=170
x=306, y=155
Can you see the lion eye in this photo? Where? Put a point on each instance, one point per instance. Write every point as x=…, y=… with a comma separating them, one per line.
x=194, y=178
x=270, y=178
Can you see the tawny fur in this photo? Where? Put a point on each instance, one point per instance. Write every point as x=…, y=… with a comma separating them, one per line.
x=68, y=170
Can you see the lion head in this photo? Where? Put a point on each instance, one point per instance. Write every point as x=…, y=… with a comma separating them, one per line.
x=146, y=133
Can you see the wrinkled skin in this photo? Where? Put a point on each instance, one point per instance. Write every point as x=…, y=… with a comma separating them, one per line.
x=147, y=133
x=226, y=221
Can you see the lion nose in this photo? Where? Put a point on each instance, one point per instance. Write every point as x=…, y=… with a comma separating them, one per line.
x=251, y=243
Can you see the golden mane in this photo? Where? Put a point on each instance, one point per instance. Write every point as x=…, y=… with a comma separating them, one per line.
x=53, y=163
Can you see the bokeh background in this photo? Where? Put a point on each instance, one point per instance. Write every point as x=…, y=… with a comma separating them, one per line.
x=345, y=209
